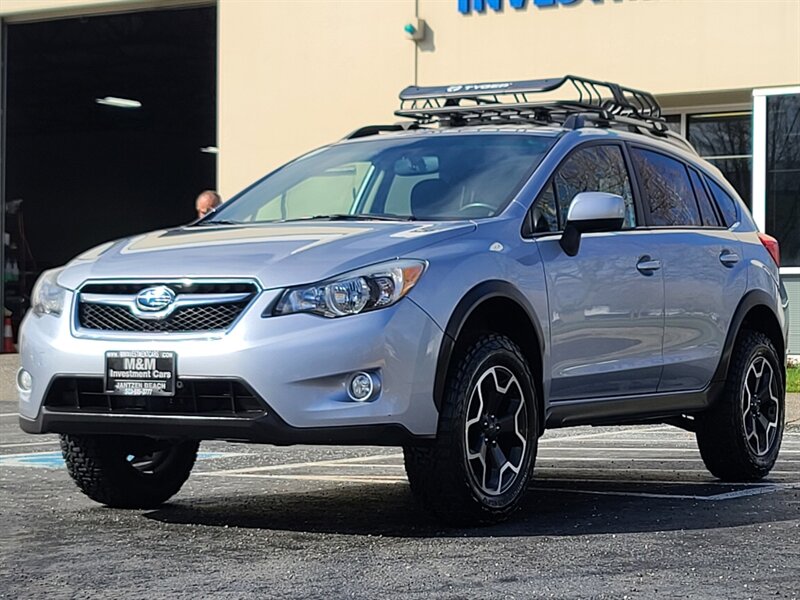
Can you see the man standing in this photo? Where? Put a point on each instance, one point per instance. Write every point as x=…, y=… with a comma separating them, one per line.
x=206, y=202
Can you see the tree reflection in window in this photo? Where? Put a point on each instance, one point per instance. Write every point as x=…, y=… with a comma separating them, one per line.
x=594, y=169
x=667, y=189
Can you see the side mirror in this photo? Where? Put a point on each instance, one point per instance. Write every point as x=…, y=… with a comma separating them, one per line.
x=590, y=212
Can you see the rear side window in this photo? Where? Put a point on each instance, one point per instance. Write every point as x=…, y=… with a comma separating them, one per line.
x=594, y=169
x=666, y=188
x=727, y=205
x=707, y=212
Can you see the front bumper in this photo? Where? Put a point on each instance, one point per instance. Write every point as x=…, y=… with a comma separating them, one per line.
x=299, y=365
x=269, y=429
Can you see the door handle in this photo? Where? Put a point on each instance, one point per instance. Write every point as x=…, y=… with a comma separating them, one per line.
x=648, y=265
x=728, y=258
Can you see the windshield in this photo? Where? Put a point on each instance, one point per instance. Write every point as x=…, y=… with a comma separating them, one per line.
x=438, y=177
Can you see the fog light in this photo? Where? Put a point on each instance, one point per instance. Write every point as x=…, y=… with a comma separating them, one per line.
x=24, y=380
x=361, y=387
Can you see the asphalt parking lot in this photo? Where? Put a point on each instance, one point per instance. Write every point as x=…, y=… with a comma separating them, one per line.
x=614, y=513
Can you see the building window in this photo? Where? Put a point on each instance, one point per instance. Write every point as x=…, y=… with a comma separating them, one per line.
x=782, y=184
x=725, y=140
x=675, y=123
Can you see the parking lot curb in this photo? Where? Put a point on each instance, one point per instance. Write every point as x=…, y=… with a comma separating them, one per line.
x=9, y=363
x=793, y=409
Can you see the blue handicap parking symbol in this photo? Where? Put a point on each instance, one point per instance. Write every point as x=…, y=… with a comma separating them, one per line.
x=54, y=460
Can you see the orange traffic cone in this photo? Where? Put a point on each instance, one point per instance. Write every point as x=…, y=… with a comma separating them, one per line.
x=8, y=336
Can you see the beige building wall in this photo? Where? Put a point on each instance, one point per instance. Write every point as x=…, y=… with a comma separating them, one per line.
x=664, y=46
x=296, y=75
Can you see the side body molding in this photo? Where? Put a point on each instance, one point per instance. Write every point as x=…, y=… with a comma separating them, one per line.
x=662, y=407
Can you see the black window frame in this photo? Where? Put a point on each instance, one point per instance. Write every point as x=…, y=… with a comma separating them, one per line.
x=527, y=223
x=711, y=200
x=735, y=198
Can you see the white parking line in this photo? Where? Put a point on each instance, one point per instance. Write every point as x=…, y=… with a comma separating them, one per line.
x=333, y=462
x=681, y=471
x=9, y=414
x=750, y=489
x=615, y=460
x=713, y=498
x=584, y=436
x=337, y=478
x=28, y=444
x=637, y=449
x=361, y=466
x=656, y=482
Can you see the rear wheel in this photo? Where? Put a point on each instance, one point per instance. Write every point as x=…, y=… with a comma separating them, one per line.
x=740, y=436
x=127, y=471
x=479, y=467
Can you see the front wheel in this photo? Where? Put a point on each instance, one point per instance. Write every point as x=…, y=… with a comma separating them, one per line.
x=479, y=467
x=740, y=436
x=127, y=471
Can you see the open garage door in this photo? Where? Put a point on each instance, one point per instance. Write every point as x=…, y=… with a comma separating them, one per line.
x=110, y=131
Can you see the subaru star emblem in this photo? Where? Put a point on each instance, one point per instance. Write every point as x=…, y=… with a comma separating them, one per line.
x=155, y=298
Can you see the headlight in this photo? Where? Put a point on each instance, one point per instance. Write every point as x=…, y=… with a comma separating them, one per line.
x=352, y=293
x=47, y=297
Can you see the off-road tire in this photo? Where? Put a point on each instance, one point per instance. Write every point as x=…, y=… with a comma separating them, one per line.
x=101, y=467
x=439, y=474
x=721, y=434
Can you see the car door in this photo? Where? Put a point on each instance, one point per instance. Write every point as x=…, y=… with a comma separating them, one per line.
x=704, y=276
x=606, y=304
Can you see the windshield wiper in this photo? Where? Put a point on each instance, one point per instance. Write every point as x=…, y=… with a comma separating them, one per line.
x=217, y=222
x=352, y=217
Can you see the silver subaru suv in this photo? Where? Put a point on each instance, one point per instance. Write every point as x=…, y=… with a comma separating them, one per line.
x=499, y=263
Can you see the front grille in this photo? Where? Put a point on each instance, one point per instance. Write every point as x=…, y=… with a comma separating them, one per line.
x=196, y=397
x=195, y=318
x=109, y=307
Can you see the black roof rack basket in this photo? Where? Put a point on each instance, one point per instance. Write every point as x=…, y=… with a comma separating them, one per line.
x=593, y=102
x=433, y=103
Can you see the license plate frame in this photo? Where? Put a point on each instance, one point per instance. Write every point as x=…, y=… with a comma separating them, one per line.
x=140, y=373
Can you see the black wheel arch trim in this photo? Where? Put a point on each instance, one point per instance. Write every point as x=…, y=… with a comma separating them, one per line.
x=750, y=300
x=466, y=306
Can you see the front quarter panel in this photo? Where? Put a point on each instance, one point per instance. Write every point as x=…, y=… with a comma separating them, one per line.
x=495, y=252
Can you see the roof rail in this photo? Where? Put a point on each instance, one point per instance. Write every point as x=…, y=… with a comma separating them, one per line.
x=368, y=130
x=600, y=103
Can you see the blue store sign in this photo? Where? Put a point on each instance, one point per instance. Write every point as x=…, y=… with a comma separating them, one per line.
x=467, y=6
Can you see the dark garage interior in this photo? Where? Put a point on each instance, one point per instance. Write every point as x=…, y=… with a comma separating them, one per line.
x=110, y=131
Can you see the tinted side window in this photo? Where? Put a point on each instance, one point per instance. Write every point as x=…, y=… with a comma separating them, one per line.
x=703, y=201
x=594, y=169
x=727, y=205
x=545, y=211
x=666, y=188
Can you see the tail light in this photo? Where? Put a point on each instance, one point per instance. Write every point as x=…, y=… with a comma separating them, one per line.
x=772, y=246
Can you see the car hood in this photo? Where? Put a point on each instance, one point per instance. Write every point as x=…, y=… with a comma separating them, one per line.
x=276, y=254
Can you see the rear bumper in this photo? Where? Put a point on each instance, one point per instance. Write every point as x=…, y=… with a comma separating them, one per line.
x=268, y=429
